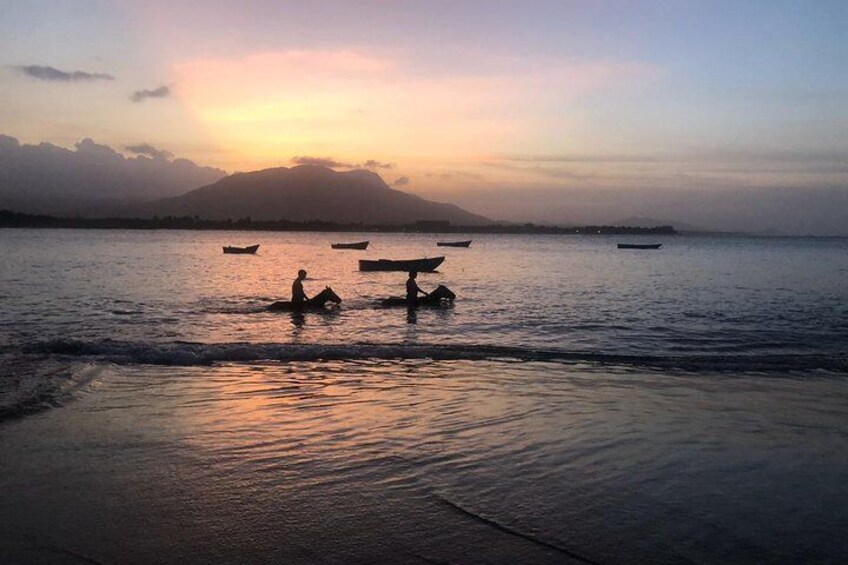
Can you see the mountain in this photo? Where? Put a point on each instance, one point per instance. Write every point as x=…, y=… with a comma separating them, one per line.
x=309, y=193
x=45, y=178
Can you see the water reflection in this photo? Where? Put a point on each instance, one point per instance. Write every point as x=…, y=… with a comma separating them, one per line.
x=443, y=313
x=298, y=320
x=602, y=462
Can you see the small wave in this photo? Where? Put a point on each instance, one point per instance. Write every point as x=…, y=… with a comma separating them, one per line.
x=192, y=354
x=506, y=529
x=35, y=385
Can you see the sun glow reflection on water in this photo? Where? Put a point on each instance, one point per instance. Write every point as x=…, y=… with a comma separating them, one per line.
x=607, y=464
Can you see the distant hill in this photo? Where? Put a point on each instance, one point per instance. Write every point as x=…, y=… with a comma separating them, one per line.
x=309, y=193
x=48, y=179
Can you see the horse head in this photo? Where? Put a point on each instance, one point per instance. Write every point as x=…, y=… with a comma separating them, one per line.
x=330, y=295
x=443, y=293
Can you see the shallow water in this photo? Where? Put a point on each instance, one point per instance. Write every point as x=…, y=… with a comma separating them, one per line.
x=696, y=295
x=431, y=461
x=577, y=404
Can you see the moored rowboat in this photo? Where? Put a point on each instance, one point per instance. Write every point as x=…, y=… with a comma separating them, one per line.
x=248, y=250
x=454, y=243
x=421, y=265
x=358, y=245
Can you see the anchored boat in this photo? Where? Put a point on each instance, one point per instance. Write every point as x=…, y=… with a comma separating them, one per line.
x=639, y=245
x=358, y=245
x=244, y=250
x=420, y=265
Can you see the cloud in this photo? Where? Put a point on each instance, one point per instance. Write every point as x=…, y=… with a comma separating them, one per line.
x=687, y=167
x=55, y=75
x=585, y=158
x=455, y=176
x=142, y=95
x=549, y=172
x=90, y=147
x=401, y=181
x=334, y=164
x=372, y=164
x=322, y=162
x=694, y=155
x=149, y=150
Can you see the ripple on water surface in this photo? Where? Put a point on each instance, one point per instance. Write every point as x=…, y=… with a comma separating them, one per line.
x=695, y=295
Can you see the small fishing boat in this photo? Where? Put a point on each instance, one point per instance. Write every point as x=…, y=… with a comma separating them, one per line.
x=454, y=243
x=639, y=245
x=358, y=245
x=242, y=250
x=421, y=265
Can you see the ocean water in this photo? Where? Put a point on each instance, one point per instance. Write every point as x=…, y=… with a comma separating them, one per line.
x=577, y=403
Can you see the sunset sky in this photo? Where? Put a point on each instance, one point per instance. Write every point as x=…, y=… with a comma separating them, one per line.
x=448, y=97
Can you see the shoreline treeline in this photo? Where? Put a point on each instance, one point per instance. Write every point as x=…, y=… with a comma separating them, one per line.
x=9, y=219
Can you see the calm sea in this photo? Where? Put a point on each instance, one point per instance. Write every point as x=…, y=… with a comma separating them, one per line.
x=578, y=403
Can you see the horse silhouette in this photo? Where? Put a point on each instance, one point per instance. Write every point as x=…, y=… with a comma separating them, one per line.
x=317, y=302
x=442, y=295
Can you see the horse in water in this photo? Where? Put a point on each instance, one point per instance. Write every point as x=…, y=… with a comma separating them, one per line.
x=442, y=295
x=317, y=302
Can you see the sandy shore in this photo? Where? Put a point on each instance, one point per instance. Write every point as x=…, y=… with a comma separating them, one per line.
x=420, y=463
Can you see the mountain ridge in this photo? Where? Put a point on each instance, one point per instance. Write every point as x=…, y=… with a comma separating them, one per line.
x=309, y=193
x=46, y=178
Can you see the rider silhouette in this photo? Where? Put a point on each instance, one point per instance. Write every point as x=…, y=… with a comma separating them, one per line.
x=298, y=296
x=412, y=289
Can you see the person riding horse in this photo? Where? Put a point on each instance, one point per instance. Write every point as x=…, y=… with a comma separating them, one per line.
x=412, y=289
x=299, y=297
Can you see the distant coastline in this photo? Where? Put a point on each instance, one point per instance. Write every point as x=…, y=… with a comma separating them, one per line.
x=9, y=219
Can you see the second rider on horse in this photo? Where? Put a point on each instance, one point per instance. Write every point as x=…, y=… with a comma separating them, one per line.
x=412, y=290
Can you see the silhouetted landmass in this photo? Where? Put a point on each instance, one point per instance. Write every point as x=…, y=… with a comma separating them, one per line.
x=9, y=219
x=648, y=221
x=91, y=179
x=308, y=193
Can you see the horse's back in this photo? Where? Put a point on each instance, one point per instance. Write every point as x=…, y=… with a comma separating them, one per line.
x=441, y=294
x=394, y=301
x=280, y=306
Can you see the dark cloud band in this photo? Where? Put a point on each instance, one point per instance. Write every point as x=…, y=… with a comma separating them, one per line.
x=142, y=95
x=372, y=164
x=55, y=75
x=334, y=164
x=149, y=151
x=321, y=162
